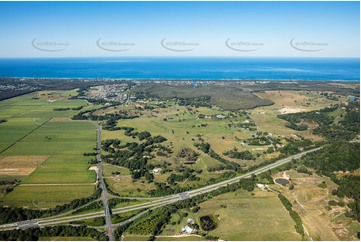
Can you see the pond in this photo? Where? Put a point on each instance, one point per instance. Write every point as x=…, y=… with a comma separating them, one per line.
x=282, y=181
x=207, y=222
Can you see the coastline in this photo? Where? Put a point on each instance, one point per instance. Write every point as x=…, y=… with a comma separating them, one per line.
x=177, y=79
x=185, y=68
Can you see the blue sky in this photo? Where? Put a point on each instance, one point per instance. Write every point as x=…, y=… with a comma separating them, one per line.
x=274, y=29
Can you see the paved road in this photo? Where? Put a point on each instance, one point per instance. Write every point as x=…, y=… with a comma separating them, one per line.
x=133, y=198
x=130, y=220
x=104, y=195
x=157, y=202
x=249, y=174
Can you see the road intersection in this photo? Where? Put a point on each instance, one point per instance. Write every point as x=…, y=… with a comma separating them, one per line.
x=155, y=202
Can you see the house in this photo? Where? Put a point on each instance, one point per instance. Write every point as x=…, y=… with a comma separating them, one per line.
x=190, y=221
x=188, y=230
x=353, y=99
x=169, y=118
x=157, y=171
x=260, y=186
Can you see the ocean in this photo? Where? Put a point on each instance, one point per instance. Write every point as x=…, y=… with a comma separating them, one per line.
x=205, y=68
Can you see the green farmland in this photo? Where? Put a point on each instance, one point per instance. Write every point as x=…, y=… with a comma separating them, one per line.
x=33, y=130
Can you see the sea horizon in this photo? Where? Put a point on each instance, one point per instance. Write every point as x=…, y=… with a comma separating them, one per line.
x=185, y=68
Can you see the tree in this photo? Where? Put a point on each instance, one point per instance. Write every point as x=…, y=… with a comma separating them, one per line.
x=149, y=176
x=143, y=135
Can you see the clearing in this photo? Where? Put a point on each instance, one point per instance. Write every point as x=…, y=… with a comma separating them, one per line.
x=20, y=165
x=310, y=201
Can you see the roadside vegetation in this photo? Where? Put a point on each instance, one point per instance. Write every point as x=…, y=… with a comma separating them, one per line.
x=163, y=140
x=34, y=234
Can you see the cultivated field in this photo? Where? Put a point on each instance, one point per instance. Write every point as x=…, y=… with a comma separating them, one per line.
x=43, y=147
x=46, y=196
x=18, y=166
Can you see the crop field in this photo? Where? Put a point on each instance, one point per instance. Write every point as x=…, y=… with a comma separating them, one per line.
x=241, y=216
x=56, y=138
x=13, y=130
x=19, y=165
x=44, y=147
x=46, y=196
x=311, y=201
x=61, y=169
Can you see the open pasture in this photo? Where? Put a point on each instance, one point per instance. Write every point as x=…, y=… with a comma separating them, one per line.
x=288, y=102
x=227, y=98
x=298, y=100
x=310, y=201
x=258, y=217
x=110, y=170
x=183, y=129
x=124, y=186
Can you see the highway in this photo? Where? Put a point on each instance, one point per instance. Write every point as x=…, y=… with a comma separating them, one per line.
x=104, y=195
x=156, y=202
